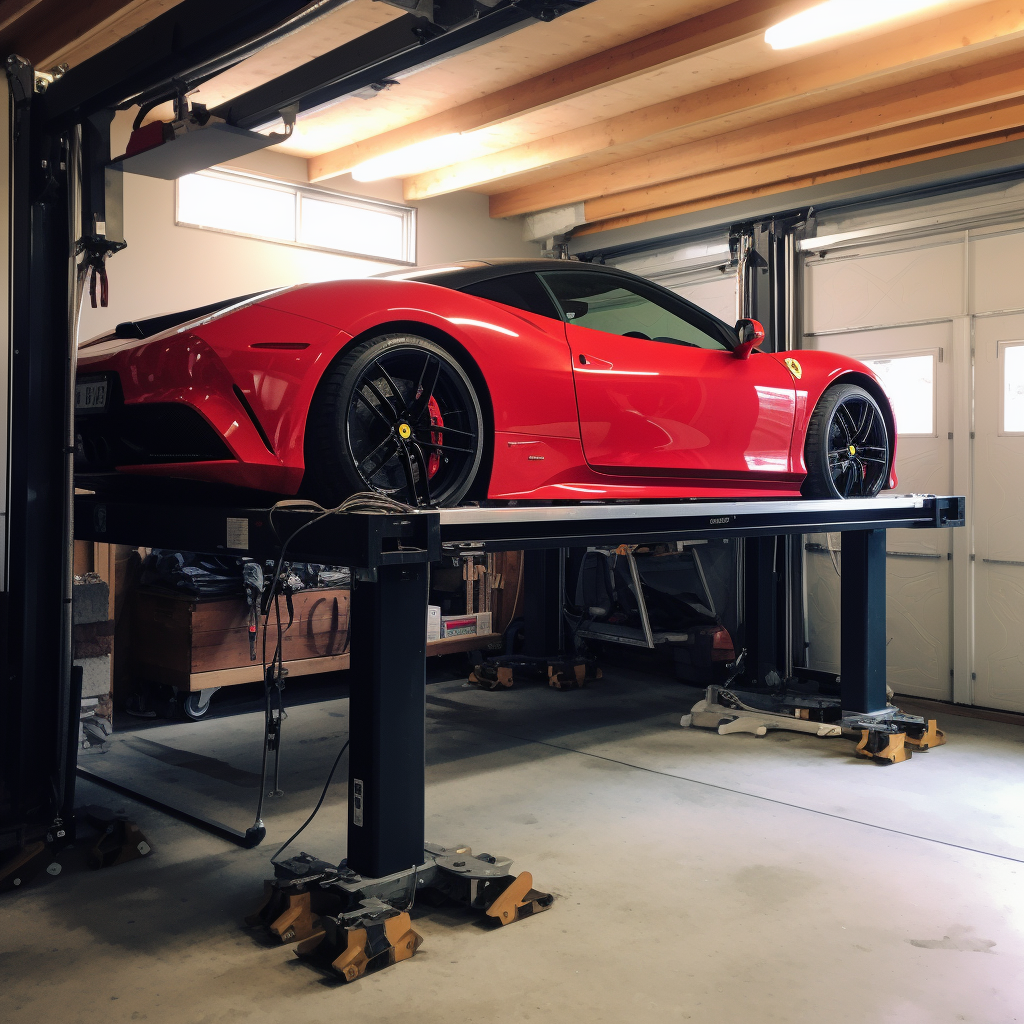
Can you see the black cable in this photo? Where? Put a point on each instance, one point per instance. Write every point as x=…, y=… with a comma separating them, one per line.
x=362, y=501
x=323, y=794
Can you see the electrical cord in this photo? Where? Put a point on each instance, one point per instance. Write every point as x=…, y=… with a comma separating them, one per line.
x=361, y=501
x=319, y=803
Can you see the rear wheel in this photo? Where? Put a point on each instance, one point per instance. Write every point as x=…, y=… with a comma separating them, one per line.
x=847, y=449
x=398, y=415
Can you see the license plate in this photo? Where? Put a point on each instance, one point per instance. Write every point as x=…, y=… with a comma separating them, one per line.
x=91, y=395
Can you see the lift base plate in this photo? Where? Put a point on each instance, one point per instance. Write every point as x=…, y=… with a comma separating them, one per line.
x=349, y=924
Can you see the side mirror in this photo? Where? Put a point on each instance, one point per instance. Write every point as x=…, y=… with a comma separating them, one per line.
x=751, y=336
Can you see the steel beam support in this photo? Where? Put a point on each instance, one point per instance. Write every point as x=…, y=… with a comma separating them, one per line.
x=180, y=48
x=543, y=583
x=862, y=638
x=387, y=721
x=35, y=683
x=409, y=43
x=760, y=615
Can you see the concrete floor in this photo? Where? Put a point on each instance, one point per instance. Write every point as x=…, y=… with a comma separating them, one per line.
x=698, y=878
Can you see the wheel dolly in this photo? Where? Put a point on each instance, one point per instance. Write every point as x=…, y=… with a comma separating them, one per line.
x=354, y=915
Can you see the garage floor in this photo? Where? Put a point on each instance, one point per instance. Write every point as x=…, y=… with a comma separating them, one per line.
x=698, y=877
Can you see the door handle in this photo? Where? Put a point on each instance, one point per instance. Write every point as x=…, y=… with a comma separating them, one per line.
x=595, y=364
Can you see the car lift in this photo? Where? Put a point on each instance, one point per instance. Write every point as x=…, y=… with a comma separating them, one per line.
x=353, y=915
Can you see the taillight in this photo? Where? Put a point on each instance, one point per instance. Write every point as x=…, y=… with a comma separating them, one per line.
x=722, y=646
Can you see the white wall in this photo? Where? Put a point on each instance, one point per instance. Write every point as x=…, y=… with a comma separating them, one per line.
x=166, y=267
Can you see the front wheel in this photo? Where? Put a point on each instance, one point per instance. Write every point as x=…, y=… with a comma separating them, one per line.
x=847, y=449
x=395, y=414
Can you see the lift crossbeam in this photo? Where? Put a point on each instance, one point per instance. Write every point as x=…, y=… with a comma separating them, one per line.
x=370, y=540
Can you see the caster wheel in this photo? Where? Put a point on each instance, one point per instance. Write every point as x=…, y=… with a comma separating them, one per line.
x=197, y=704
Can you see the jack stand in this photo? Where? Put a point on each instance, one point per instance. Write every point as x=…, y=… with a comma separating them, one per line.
x=120, y=840
x=723, y=710
x=559, y=673
x=890, y=737
x=286, y=911
x=883, y=747
x=353, y=924
x=925, y=738
x=368, y=939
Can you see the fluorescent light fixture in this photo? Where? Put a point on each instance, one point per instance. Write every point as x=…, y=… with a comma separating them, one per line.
x=835, y=17
x=420, y=156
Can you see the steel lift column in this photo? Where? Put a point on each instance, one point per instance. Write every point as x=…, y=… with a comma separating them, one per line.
x=387, y=717
x=543, y=583
x=862, y=640
x=760, y=602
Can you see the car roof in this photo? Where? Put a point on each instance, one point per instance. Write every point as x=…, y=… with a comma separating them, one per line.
x=465, y=273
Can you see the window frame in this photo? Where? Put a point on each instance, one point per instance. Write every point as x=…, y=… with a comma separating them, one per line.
x=298, y=191
x=687, y=312
x=1001, y=347
x=936, y=353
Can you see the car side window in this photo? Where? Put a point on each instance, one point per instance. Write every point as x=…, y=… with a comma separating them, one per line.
x=524, y=291
x=608, y=304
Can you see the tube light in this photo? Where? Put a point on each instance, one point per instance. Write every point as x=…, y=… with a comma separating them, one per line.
x=836, y=17
x=420, y=156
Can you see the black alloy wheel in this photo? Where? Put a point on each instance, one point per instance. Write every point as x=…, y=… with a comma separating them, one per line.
x=847, y=449
x=398, y=415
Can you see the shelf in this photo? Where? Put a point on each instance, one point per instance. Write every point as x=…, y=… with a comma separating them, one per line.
x=458, y=644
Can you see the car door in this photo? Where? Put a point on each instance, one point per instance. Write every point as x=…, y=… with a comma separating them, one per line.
x=658, y=388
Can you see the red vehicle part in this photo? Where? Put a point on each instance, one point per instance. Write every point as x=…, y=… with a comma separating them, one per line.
x=573, y=413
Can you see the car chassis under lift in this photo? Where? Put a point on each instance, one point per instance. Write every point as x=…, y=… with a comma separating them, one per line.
x=354, y=916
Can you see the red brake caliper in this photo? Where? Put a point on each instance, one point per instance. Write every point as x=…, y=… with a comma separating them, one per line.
x=434, y=463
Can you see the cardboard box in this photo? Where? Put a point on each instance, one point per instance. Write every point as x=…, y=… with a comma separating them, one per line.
x=433, y=622
x=458, y=625
x=465, y=625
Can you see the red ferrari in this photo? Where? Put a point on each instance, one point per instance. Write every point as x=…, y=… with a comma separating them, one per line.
x=500, y=379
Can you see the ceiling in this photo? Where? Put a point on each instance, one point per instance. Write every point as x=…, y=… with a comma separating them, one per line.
x=637, y=111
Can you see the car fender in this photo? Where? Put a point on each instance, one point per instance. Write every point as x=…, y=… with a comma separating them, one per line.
x=525, y=367
x=818, y=371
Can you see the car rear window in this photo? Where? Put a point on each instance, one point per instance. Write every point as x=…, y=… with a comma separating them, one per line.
x=524, y=291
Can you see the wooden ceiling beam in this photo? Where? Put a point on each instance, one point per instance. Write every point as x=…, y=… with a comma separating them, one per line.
x=791, y=184
x=50, y=32
x=897, y=143
x=935, y=96
x=796, y=85
x=710, y=31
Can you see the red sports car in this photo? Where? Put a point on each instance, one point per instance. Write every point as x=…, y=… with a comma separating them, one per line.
x=499, y=379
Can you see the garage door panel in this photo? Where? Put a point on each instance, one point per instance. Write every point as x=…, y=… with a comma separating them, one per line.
x=999, y=652
x=717, y=294
x=917, y=614
x=884, y=288
x=823, y=604
x=995, y=271
x=998, y=522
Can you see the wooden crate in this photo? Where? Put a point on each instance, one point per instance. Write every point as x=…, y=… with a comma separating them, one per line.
x=193, y=644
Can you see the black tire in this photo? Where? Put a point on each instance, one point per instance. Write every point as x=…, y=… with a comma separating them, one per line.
x=373, y=425
x=848, y=448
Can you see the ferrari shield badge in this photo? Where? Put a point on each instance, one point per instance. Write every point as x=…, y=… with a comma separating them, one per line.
x=794, y=368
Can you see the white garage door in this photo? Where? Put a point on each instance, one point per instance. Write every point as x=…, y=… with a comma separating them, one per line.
x=699, y=271
x=930, y=296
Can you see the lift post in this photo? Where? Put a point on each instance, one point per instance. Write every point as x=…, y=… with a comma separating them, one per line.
x=862, y=639
x=387, y=711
